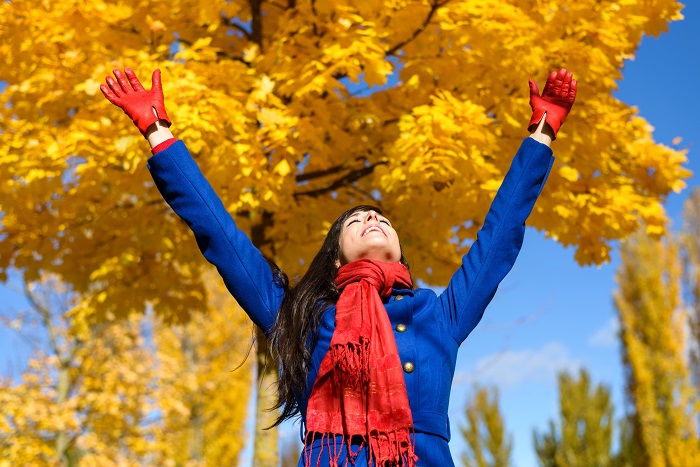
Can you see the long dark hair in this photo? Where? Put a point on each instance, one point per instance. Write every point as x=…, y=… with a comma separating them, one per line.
x=300, y=315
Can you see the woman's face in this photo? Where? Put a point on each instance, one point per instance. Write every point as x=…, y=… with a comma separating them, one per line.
x=368, y=235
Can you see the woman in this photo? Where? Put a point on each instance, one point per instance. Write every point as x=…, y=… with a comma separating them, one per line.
x=367, y=361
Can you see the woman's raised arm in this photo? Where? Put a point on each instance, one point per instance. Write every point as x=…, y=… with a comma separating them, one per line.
x=243, y=268
x=498, y=242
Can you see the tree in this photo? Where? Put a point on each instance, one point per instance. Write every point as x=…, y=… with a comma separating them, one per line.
x=127, y=391
x=584, y=434
x=690, y=248
x=204, y=383
x=84, y=396
x=259, y=91
x=281, y=105
x=652, y=322
x=488, y=445
x=629, y=452
x=289, y=454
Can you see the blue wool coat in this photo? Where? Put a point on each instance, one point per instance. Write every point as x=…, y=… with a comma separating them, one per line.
x=428, y=328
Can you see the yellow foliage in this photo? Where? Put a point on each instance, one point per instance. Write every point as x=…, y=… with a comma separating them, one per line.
x=297, y=110
x=201, y=398
x=87, y=398
x=131, y=391
x=653, y=325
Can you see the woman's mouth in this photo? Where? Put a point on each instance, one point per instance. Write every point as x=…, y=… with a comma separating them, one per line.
x=372, y=228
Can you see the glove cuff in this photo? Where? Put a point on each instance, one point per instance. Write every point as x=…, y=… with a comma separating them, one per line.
x=555, y=117
x=143, y=120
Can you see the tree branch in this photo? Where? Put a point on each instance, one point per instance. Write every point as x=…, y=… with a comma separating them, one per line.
x=433, y=8
x=313, y=10
x=219, y=54
x=229, y=22
x=228, y=56
x=319, y=173
x=46, y=319
x=375, y=202
x=256, y=23
x=345, y=180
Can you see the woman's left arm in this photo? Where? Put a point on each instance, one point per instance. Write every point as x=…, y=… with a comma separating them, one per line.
x=498, y=242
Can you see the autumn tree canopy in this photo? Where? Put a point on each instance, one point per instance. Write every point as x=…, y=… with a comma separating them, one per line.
x=297, y=109
x=582, y=435
x=690, y=248
x=84, y=396
x=653, y=324
x=127, y=392
x=488, y=442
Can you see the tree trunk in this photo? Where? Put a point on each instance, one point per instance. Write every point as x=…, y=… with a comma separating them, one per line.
x=61, y=437
x=265, y=451
x=196, y=440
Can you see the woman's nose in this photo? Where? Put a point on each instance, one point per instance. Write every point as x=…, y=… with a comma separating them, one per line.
x=371, y=215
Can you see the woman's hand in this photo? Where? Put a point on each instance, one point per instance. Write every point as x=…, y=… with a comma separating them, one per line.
x=555, y=102
x=143, y=107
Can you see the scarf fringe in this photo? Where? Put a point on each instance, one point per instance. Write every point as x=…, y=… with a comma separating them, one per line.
x=395, y=449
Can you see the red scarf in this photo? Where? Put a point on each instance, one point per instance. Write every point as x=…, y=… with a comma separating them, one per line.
x=360, y=388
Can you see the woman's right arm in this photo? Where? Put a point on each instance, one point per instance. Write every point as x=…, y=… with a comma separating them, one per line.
x=243, y=268
x=498, y=242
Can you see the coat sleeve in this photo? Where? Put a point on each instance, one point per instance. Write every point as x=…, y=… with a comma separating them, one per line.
x=498, y=242
x=245, y=271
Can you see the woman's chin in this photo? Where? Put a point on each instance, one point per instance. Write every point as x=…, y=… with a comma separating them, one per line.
x=385, y=255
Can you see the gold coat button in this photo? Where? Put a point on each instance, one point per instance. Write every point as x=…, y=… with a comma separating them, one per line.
x=398, y=297
x=408, y=367
x=401, y=328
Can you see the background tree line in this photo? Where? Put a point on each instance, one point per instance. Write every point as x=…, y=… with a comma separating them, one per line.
x=658, y=306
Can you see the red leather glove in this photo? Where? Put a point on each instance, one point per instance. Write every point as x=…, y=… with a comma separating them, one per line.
x=134, y=100
x=556, y=99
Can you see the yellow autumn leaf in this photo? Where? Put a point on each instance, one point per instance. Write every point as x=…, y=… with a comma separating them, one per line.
x=569, y=173
x=282, y=168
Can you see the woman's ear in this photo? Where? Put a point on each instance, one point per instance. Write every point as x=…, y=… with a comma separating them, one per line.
x=337, y=263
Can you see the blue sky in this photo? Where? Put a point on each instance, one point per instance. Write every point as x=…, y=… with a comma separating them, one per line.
x=549, y=314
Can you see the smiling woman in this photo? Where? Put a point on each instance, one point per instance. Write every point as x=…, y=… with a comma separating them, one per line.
x=368, y=234
x=366, y=360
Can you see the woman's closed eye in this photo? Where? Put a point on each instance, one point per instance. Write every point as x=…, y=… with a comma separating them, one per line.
x=386, y=222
